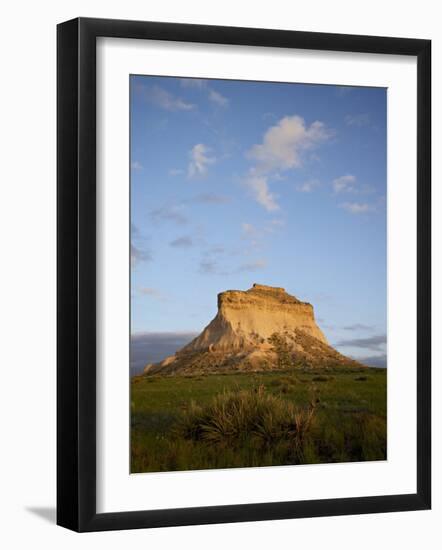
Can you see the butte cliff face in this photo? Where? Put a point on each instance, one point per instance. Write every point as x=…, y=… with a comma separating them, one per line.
x=263, y=328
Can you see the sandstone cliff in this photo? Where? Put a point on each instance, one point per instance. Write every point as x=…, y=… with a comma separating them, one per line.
x=259, y=329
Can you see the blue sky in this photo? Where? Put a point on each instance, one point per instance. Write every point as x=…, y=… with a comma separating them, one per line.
x=237, y=182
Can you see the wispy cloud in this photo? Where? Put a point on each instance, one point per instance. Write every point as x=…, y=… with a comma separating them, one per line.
x=359, y=326
x=172, y=213
x=209, y=266
x=374, y=343
x=357, y=207
x=200, y=84
x=258, y=185
x=182, y=242
x=343, y=91
x=249, y=229
x=210, y=261
x=269, y=116
x=345, y=184
x=176, y=172
x=257, y=265
x=308, y=186
x=253, y=235
x=134, y=231
x=200, y=160
x=277, y=223
x=139, y=252
x=379, y=361
x=165, y=100
x=178, y=212
x=358, y=120
x=216, y=249
x=349, y=184
x=256, y=236
x=153, y=293
x=211, y=198
x=281, y=149
x=135, y=165
x=138, y=255
x=218, y=99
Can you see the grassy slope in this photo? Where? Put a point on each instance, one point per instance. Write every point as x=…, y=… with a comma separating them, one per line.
x=349, y=423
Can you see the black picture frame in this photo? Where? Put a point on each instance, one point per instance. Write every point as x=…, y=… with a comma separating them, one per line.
x=77, y=287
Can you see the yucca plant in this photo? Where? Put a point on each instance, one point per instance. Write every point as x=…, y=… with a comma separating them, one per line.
x=233, y=418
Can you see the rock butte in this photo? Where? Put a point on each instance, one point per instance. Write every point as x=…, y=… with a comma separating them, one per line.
x=263, y=328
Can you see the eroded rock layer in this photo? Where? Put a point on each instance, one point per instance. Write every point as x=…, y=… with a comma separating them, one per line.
x=263, y=328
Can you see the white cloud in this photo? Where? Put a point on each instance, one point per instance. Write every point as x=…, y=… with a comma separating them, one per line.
x=282, y=148
x=284, y=143
x=164, y=99
x=199, y=161
x=136, y=165
x=344, y=184
x=357, y=207
x=258, y=185
x=218, y=99
x=200, y=84
x=307, y=186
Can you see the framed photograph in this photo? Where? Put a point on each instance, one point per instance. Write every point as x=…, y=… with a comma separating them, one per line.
x=243, y=274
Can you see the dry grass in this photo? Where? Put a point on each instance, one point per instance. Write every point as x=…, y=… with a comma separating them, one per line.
x=233, y=418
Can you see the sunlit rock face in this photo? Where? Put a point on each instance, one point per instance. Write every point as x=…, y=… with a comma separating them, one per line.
x=246, y=318
x=263, y=328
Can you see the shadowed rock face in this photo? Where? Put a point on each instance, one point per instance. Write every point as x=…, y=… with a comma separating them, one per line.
x=262, y=328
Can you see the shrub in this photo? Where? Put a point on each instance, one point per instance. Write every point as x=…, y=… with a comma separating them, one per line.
x=320, y=378
x=285, y=384
x=248, y=418
x=282, y=350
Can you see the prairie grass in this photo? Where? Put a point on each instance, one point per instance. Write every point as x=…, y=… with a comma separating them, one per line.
x=232, y=418
x=257, y=419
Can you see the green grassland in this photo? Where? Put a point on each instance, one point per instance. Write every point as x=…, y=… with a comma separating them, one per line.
x=301, y=416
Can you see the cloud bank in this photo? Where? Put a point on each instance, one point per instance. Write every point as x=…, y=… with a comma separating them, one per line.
x=151, y=347
x=374, y=343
